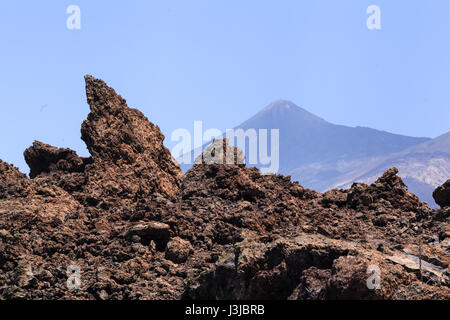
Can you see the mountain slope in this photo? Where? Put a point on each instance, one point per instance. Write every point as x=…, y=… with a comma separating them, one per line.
x=315, y=138
x=319, y=153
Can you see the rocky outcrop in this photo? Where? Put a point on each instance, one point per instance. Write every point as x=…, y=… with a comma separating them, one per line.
x=43, y=158
x=307, y=267
x=129, y=157
x=442, y=194
x=136, y=228
x=220, y=152
x=12, y=182
x=389, y=188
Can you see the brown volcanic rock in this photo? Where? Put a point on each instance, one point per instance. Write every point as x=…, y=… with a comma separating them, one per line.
x=442, y=194
x=43, y=158
x=231, y=180
x=128, y=153
x=138, y=229
x=36, y=228
x=128, y=159
x=389, y=188
x=220, y=152
x=58, y=166
x=313, y=284
x=306, y=267
x=13, y=183
x=153, y=230
x=224, y=199
x=178, y=250
x=226, y=181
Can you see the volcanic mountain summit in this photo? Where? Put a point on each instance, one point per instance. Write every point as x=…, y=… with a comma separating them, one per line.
x=323, y=156
x=135, y=227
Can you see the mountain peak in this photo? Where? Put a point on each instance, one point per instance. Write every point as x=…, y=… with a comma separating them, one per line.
x=285, y=110
x=282, y=104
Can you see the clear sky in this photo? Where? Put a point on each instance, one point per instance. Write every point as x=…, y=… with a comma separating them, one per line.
x=221, y=61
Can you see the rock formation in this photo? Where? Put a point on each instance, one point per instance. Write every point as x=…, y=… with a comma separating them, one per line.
x=129, y=158
x=136, y=228
x=442, y=194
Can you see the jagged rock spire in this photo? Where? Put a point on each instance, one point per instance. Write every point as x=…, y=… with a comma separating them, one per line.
x=125, y=141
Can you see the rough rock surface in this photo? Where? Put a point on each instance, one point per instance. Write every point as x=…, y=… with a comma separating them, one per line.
x=12, y=182
x=442, y=195
x=129, y=158
x=136, y=228
x=178, y=250
x=43, y=158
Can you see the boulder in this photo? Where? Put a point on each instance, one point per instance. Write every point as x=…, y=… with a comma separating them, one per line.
x=442, y=194
x=178, y=250
x=43, y=158
x=152, y=230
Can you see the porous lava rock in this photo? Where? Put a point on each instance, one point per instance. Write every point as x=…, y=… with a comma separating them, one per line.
x=137, y=228
x=442, y=194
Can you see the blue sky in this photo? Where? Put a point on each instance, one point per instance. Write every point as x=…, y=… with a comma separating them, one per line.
x=221, y=61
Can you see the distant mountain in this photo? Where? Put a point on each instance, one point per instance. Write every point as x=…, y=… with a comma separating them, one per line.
x=318, y=153
x=322, y=155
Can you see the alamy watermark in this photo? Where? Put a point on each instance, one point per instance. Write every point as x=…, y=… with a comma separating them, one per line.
x=73, y=277
x=73, y=22
x=374, y=280
x=261, y=146
x=374, y=20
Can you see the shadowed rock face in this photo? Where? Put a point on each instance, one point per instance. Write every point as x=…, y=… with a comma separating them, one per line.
x=43, y=158
x=138, y=229
x=12, y=182
x=128, y=159
x=442, y=195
